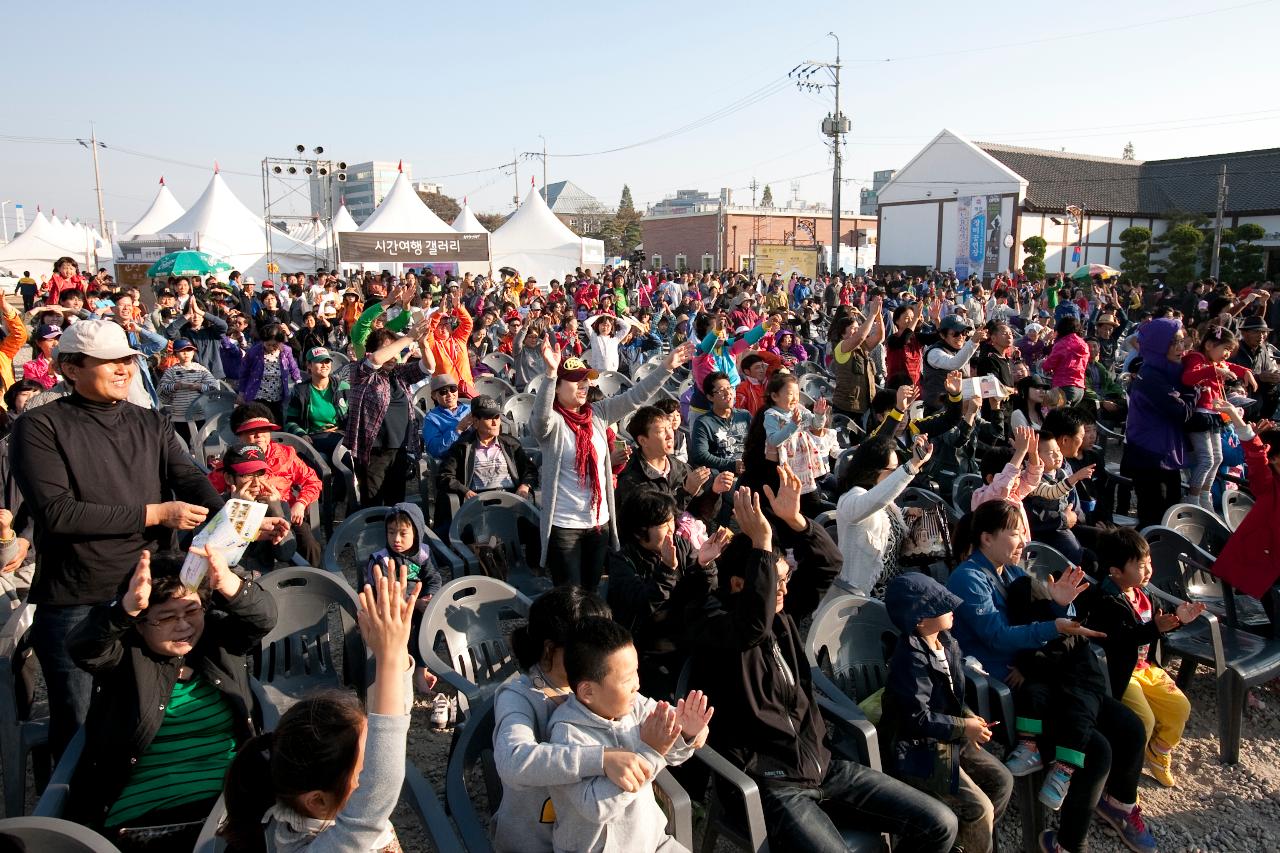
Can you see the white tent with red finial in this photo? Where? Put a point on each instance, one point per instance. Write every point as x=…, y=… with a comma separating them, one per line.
x=403, y=212
x=42, y=243
x=535, y=242
x=466, y=223
x=163, y=210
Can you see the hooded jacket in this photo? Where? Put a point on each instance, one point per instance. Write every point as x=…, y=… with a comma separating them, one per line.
x=923, y=721
x=593, y=815
x=417, y=559
x=1159, y=406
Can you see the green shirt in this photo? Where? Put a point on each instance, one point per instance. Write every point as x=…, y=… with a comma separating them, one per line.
x=1051, y=293
x=324, y=413
x=188, y=759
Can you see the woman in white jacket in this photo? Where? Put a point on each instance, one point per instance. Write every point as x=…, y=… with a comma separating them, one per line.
x=871, y=528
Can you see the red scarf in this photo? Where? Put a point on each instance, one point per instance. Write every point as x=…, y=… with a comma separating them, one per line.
x=585, y=450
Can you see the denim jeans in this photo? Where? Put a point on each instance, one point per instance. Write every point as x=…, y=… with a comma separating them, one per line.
x=800, y=818
x=575, y=557
x=68, y=686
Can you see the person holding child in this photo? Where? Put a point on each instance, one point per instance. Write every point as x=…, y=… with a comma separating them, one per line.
x=1205, y=369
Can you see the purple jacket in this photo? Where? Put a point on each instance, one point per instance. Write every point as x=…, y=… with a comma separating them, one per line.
x=1159, y=405
x=251, y=373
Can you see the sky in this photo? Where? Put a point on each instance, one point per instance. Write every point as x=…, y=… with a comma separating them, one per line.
x=458, y=89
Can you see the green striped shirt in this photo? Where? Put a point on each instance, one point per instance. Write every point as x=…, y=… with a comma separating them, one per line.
x=188, y=759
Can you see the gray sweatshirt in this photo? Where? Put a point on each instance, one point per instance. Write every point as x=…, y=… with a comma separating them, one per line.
x=528, y=766
x=594, y=815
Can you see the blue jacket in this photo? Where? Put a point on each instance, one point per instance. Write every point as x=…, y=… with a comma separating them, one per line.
x=440, y=428
x=982, y=623
x=923, y=721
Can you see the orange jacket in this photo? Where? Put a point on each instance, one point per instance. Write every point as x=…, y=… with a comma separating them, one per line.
x=450, y=349
x=12, y=344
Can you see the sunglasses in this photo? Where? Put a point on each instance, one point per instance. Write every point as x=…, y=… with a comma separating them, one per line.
x=448, y=389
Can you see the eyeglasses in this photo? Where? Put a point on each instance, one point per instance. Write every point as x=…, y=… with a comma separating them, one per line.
x=722, y=391
x=170, y=621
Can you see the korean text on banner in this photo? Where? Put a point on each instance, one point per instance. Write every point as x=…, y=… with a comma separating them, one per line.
x=358, y=246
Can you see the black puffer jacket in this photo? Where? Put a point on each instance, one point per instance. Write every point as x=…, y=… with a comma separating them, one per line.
x=132, y=686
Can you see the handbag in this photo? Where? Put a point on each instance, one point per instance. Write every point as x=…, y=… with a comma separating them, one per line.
x=928, y=538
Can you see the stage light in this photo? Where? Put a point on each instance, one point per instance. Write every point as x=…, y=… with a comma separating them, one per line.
x=319, y=149
x=293, y=170
x=342, y=165
x=323, y=171
x=307, y=170
x=342, y=176
x=276, y=169
x=301, y=148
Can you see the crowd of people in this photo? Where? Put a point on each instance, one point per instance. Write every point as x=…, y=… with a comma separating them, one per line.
x=690, y=525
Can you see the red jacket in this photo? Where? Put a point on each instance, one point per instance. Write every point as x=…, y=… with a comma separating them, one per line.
x=285, y=471
x=1250, y=561
x=1202, y=375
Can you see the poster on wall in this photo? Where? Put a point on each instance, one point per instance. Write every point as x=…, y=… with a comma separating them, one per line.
x=785, y=260
x=991, y=264
x=971, y=235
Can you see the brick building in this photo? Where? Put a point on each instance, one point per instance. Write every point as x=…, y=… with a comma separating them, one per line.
x=687, y=238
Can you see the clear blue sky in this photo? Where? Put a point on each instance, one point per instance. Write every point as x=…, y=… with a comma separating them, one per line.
x=454, y=87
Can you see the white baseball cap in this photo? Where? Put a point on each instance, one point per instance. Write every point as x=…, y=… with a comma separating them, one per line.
x=103, y=339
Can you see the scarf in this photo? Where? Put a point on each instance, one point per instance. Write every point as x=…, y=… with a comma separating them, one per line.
x=584, y=450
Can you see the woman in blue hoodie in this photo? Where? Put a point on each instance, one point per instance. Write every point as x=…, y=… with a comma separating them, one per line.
x=1155, y=431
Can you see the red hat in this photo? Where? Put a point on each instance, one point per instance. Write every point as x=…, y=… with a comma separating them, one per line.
x=513, y=314
x=255, y=424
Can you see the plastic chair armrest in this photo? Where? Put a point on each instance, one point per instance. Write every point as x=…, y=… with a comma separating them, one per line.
x=1215, y=628
x=747, y=787
x=53, y=802
x=426, y=804
x=457, y=567
x=680, y=821
x=856, y=726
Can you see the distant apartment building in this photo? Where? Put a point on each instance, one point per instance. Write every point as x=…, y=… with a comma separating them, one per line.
x=869, y=198
x=367, y=184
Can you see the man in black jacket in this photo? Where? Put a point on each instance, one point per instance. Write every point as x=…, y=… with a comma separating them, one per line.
x=97, y=474
x=749, y=659
x=483, y=459
x=656, y=465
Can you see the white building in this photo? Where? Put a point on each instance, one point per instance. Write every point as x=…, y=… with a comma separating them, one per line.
x=367, y=184
x=1020, y=192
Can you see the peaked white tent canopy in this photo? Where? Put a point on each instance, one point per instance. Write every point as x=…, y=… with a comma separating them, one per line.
x=163, y=210
x=466, y=223
x=402, y=212
x=43, y=242
x=536, y=243
x=221, y=225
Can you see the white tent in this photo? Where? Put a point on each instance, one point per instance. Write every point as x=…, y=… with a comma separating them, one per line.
x=536, y=243
x=466, y=223
x=222, y=226
x=163, y=210
x=41, y=244
x=402, y=212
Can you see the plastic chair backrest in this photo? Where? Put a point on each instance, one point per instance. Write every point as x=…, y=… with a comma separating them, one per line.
x=519, y=409
x=297, y=655
x=208, y=841
x=842, y=462
x=827, y=521
x=364, y=532
x=851, y=640
x=214, y=438
x=1235, y=506
x=962, y=492
x=339, y=359
x=498, y=389
x=54, y=835
x=472, y=616
x=496, y=514
x=815, y=386
x=502, y=365
x=612, y=383
x=422, y=400
x=1178, y=567
x=308, y=452
x=209, y=404
x=1042, y=561
x=1201, y=527
x=645, y=369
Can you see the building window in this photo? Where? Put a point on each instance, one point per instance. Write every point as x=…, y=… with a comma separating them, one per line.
x=655, y=262
x=682, y=262
x=573, y=223
x=708, y=263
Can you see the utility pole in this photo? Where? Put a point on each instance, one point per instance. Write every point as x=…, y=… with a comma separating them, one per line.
x=544, y=165
x=834, y=126
x=97, y=181
x=1217, y=228
x=516, y=163
x=754, y=186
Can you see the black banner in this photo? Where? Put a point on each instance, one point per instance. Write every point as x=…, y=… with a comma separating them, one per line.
x=357, y=246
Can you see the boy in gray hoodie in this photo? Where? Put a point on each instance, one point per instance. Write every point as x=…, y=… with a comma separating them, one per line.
x=594, y=815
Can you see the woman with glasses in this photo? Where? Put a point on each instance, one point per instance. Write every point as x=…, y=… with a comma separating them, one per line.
x=171, y=702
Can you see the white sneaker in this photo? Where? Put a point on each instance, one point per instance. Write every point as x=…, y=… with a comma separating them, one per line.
x=443, y=711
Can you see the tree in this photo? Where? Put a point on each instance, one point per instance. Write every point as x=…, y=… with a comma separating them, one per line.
x=1033, y=266
x=623, y=231
x=446, y=207
x=766, y=200
x=1249, y=260
x=1183, y=241
x=1128, y=153
x=491, y=221
x=1135, y=267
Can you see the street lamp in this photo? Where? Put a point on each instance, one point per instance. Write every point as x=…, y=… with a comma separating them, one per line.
x=3, y=222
